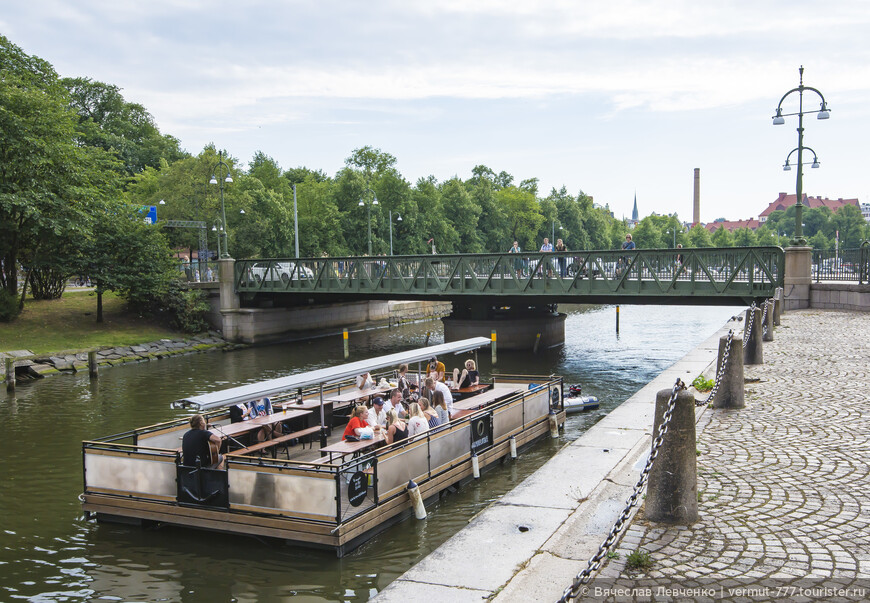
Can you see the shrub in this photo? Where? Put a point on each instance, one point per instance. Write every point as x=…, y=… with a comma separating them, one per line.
x=8, y=306
x=702, y=385
x=188, y=309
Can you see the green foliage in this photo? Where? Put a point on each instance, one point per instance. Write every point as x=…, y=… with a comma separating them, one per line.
x=639, y=559
x=187, y=308
x=703, y=385
x=9, y=307
x=613, y=554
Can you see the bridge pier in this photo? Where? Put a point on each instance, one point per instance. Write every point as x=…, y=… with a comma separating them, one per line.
x=798, y=277
x=517, y=328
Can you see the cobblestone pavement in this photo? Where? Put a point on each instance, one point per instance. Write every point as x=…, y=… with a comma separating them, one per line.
x=783, y=484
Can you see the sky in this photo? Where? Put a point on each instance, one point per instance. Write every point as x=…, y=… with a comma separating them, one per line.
x=615, y=99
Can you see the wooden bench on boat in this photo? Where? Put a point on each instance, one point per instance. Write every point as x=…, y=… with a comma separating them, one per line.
x=466, y=406
x=281, y=442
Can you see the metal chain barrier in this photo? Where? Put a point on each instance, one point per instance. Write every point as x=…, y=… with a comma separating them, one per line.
x=764, y=317
x=584, y=577
x=721, y=371
x=748, y=334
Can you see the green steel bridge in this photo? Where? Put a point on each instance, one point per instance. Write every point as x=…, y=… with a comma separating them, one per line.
x=704, y=276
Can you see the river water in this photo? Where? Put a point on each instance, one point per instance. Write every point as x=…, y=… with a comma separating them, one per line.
x=49, y=552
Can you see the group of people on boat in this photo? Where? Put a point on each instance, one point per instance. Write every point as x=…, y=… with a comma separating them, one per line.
x=409, y=411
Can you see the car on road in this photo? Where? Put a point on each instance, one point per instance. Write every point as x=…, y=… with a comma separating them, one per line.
x=275, y=271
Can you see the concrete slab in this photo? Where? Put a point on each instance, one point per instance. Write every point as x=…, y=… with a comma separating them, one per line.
x=566, y=479
x=490, y=550
x=536, y=581
x=408, y=591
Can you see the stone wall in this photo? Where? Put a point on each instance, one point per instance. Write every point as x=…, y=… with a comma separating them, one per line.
x=35, y=366
x=840, y=296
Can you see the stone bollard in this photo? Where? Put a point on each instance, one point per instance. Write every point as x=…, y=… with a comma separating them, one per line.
x=780, y=293
x=10, y=374
x=730, y=392
x=767, y=332
x=672, y=493
x=752, y=351
x=93, y=370
x=777, y=307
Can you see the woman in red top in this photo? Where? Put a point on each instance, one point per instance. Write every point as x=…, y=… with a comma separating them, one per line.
x=356, y=423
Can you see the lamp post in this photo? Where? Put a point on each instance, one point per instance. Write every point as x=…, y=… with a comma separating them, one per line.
x=218, y=228
x=369, y=207
x=220, y=168
x=822, y=113
x=398, y=219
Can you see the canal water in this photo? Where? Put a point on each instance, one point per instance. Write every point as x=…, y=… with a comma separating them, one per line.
x=49, y=552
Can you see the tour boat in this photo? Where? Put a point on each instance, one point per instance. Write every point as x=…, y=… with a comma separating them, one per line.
x=326, y=493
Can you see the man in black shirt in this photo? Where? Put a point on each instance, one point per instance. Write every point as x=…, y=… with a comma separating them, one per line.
x=195, y=446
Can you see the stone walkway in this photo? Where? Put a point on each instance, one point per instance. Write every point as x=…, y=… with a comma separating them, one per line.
x=783, y=484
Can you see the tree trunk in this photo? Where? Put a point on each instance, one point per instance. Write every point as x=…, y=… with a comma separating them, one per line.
x=99, y=303
x=23, y=292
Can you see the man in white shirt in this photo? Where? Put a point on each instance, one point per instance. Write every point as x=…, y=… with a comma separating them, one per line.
x=377, y=414
x=441, y=387
x=395, y=402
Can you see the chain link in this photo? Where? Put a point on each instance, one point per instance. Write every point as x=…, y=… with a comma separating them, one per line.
x=748, y=328
x=585, y=576
x=721, y=372
x=764, y=317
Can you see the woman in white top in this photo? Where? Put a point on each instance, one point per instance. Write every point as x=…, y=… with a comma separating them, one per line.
x=417, y=421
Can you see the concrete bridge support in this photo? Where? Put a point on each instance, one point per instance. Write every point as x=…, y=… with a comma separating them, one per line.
x=515, y=328
x=798, y=277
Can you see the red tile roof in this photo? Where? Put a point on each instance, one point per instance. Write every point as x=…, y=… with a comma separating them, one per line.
x=732, y=225
x=785, y=201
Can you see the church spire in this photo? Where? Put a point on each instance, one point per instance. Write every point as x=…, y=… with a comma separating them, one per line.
x=634, y=216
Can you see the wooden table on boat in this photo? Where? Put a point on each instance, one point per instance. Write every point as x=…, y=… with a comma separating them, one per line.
x=339, y=400
x=468, y=405
x=235, y=429
x=465, y=392
x=343, y=448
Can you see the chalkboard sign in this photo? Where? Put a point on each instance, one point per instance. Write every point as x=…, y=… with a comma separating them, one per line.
x=356, y=488
x=481, y=433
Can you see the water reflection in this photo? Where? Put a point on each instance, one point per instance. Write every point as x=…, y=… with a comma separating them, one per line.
x=49, y=552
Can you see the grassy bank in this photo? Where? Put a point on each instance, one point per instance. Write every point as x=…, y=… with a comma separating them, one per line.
x=70, y=323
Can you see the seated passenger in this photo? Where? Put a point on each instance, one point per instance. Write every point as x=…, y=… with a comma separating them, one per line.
x=396, y=428
x=395, y=403
x=195, y=449
x=469, y=376
x=435, y=369
x=418, y=422
x=440, y=407
x=263, y=408
x=430, y=413
x=433, y=386
x=377, y=416
x=357, y=423
x=239, y=412
x=365, y=381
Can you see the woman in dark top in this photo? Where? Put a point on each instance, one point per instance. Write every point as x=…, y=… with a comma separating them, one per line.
x=396, y=428
x=469, y=376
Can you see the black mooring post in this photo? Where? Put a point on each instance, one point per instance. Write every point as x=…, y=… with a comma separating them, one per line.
x=617, y=319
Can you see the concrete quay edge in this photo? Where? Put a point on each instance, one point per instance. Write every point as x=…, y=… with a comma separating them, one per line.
x=566, y=508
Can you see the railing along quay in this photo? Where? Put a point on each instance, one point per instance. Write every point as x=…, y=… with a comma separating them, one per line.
x=706, y=275
x=844, y=265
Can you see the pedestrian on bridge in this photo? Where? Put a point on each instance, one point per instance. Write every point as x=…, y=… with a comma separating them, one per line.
x=518, y=263
x=547, y=247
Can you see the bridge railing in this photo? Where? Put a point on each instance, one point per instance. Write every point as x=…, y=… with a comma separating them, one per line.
x=745, y=271
x=850, y=265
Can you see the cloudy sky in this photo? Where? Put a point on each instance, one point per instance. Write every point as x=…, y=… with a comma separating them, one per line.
x=606, y=97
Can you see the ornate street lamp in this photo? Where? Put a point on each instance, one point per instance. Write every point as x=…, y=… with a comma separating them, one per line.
x=822, y=113
x=369, y=207
x=220, y=168
x=218, y=229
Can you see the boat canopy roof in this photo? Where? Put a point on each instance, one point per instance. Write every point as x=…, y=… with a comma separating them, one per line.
x=254, y=391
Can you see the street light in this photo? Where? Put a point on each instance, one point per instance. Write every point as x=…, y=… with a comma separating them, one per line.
x=822, y=113
x=369, y=206
x=219, y=169
x=399, y=219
